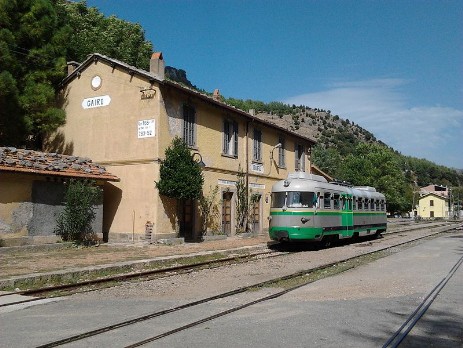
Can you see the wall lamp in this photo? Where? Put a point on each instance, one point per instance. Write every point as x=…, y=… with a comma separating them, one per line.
x=196, y=156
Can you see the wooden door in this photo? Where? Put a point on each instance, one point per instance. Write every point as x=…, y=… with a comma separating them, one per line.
x=226, y=212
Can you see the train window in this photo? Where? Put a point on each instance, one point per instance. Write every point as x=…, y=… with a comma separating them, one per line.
x=278, y=199
x=301, y=199
x=336, y=201
x=354, y=203
x=327, y=200
x=349, y=203
x=377, y=205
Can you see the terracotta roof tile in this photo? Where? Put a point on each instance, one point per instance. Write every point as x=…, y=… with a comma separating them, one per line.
x=54, y=164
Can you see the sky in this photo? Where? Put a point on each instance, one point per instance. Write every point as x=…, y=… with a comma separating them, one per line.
x=393, y=67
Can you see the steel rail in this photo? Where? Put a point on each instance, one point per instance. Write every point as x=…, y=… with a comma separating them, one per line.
x=164, y=272
x=220, y=296
x=408, y=325
x=145, y=274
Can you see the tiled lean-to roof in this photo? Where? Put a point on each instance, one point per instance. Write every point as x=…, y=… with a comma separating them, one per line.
x=51, y=164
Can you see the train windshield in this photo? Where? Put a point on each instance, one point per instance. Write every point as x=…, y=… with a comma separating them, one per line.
x=293, y=199
x=278, y=199
x=301, y=199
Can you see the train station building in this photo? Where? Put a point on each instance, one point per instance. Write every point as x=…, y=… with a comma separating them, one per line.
x=124, y=118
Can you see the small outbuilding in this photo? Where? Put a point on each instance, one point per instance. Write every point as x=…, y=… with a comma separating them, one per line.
x=32, y=189
x=433, y=202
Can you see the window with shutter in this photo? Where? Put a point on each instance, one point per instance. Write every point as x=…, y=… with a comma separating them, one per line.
x=230, y=138
x=299, y=160
x=257, y=148
x=189, y=122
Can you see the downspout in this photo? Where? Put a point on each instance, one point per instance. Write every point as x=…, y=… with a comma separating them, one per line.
x=247, y=160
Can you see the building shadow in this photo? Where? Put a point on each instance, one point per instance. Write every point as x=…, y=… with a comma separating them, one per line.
x=112, y=196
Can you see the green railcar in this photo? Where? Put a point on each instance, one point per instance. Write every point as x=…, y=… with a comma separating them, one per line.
x=305, y=207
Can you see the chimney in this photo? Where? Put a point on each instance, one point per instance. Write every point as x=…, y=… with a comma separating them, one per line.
x=216, y=95
x=72, y=66
x=252, y=112
x=157, y=65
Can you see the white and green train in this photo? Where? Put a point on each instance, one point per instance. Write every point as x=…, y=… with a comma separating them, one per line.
x=306, y=207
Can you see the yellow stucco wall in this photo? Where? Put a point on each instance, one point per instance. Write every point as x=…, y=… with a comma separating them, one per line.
x=440, y=207
x=15, y=193
x=108, y=135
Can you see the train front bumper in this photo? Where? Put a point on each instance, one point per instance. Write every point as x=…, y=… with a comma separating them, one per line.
x=295, y=233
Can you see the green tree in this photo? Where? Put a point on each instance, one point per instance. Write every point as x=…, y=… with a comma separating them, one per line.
x=327, y=160
x=377, y=166
x=180, y=175
x=33, y=41
x=93, y=32
x=75, y=222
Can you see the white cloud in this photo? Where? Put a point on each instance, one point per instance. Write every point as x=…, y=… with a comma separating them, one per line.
x=379, y=105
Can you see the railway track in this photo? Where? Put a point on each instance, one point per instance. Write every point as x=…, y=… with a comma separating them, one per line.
x=97, y=284
x=396, y=339
x=240, y=297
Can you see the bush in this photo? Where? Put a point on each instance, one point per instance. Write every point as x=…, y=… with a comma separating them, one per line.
x=75, y=222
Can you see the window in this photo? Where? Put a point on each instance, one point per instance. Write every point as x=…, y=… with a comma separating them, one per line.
x=230, y=138
x=278, y=199
x=354, y=203
x=299, y=163
x=327, y=200
x=301, y=199
x=431, y=203
x=281, y=152
x=257, y=153
x=189, y=125
x=336, y=201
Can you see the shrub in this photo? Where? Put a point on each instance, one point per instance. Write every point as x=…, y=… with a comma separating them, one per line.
x=75, y=222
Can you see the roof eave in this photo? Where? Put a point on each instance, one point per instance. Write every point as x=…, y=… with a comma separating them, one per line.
x=59, y=174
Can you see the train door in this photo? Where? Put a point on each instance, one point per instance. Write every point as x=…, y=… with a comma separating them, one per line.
x=347, y=215
x=226, y=212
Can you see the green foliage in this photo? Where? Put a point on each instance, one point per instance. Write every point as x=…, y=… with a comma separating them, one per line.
x=327, y=160
x=241, y=203
x=75, y=222
x=111, y=36
x=33, y=43
x=208, y=208
x=377, y=166
x=180, y=176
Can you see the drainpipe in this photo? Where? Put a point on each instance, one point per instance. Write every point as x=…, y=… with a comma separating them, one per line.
x=247, y=159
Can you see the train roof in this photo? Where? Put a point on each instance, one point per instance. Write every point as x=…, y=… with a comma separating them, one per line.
x=301, y=181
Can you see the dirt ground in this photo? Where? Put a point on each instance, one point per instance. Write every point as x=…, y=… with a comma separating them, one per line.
x=21, y=261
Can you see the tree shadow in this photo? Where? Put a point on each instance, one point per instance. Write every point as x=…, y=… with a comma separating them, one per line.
x=171, y=210
x=437, y=328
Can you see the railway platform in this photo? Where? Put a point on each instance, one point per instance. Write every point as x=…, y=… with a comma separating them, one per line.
x=361, y=307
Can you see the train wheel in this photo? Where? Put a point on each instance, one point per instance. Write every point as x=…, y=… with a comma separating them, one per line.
x=329, y=241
